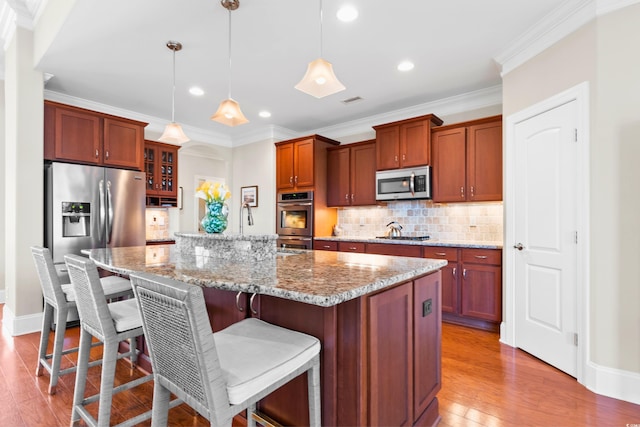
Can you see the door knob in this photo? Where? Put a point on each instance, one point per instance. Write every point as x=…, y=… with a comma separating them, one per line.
x=519, y=246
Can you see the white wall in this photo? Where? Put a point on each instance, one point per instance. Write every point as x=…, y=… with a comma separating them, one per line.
x=254, y=164
x=595, y=54
x=2, y=192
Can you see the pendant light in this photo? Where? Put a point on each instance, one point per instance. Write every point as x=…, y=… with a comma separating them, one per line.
x=320, y=80
x=173, y=133
x=229, y=112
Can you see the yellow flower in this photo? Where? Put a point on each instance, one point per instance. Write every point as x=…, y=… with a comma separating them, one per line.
x=213, y=192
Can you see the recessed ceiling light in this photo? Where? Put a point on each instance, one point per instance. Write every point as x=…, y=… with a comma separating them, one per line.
x=347, y=13
x=405, y=66
x=196, y=91
x=264, y=114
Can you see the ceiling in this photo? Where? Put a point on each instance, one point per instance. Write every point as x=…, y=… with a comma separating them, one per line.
x=114, y=53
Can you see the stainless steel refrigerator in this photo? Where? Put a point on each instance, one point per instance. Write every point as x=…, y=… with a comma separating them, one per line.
x=88, y=207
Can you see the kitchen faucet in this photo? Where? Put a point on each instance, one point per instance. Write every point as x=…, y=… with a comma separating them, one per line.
x=249, y=215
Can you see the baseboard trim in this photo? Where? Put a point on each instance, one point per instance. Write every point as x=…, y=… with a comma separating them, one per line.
x=616, y=383
x=20, y=325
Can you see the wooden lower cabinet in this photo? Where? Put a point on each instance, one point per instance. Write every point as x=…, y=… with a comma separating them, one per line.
x=471, y=285
x=380, y=357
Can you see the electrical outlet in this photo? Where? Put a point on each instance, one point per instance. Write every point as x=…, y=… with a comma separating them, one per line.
x=427, y=307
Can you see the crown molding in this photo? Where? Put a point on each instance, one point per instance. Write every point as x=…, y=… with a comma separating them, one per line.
x=454, y=104
x=562, y=21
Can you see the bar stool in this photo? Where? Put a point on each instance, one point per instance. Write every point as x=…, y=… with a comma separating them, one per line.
x=110, y=323
x=59, y=299
x=221, y=374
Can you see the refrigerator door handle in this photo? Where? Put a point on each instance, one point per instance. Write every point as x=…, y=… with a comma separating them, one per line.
x=103, y=213
x=109, y=223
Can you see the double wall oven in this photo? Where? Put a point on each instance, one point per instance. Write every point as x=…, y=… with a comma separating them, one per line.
x=294, y=220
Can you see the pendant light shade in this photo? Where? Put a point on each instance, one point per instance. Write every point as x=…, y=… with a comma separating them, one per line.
x=173, y=133
x=320, y=80
x=229, y=112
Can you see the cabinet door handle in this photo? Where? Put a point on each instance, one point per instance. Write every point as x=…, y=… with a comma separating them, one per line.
x=238, y=302
x=290, y=180
x=454, y=272
x=295, y=179
x=106, y=153
x=97, y=154
x=462, y=192
x=352, y=197
x=251, y=304
x=395, y=159
x=481, y=256
x=346, y=197
x=472, y=191
x=404, y=157
x=464, y=273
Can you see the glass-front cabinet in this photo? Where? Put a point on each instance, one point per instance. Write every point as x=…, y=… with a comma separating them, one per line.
x=161, y=168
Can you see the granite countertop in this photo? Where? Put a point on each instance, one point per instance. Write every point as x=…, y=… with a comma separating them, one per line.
x=321, y=278
x=429, y=242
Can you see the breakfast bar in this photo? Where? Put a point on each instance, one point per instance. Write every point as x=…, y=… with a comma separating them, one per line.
x=378, y=319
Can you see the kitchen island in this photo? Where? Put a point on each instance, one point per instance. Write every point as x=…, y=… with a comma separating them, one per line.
x=378, y=318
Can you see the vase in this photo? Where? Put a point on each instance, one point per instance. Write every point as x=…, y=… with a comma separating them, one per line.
x=215, y=217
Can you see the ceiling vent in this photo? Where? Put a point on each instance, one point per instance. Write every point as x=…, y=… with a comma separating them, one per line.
x=351, y=100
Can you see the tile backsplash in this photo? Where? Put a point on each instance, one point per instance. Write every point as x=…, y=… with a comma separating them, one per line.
x=157, y=224
x=455, y=221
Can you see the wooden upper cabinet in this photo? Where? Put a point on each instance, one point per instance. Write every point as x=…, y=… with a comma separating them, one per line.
x=76, y=136
x=467, y=161
x=351, y=173
x=83, y=136
x=405, y=143
x=161, y=169
x=299, y=162
x=123, y=143
x=449, y=149
x=484, y=162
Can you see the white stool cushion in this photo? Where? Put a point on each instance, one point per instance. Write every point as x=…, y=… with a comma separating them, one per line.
x=125, y=314
x=115, y=285
x=112, y=285
x=254, y=354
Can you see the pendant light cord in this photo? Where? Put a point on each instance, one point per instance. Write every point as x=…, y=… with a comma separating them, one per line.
x=173, y=94
x=320, y=28
x=229, y=53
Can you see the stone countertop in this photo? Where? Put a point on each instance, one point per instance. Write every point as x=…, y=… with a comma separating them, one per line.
x=429, y=242
x=322, y=278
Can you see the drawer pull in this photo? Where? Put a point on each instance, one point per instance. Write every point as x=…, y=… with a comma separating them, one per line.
x=238, y=302
x=441, y=253
x=326, y=246
x=352, y=248
x=481, y=256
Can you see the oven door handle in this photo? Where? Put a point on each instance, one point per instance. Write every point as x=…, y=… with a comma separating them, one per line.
x=291, y=205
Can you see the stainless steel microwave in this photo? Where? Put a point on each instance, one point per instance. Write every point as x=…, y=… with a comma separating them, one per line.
x=404, y=184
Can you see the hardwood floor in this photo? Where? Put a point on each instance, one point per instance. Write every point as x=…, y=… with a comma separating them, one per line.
x=485, y=383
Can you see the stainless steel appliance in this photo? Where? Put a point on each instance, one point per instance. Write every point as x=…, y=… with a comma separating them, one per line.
x=294, y=220
x=403, y=184
x=88, y=207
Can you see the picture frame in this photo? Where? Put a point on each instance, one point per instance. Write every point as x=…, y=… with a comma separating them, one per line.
x=249, y=195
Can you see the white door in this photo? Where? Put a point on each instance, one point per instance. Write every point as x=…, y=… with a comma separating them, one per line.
x=545, y=215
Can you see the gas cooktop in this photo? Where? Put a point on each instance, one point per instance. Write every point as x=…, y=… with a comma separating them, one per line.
x=403, y=237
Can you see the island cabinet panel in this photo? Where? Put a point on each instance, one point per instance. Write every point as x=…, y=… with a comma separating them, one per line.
x=380, y=354
x=427, y=323
x=83, y=136
x=406, y=143
x=390, y=357
x=351, y=174
x=467, y=161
